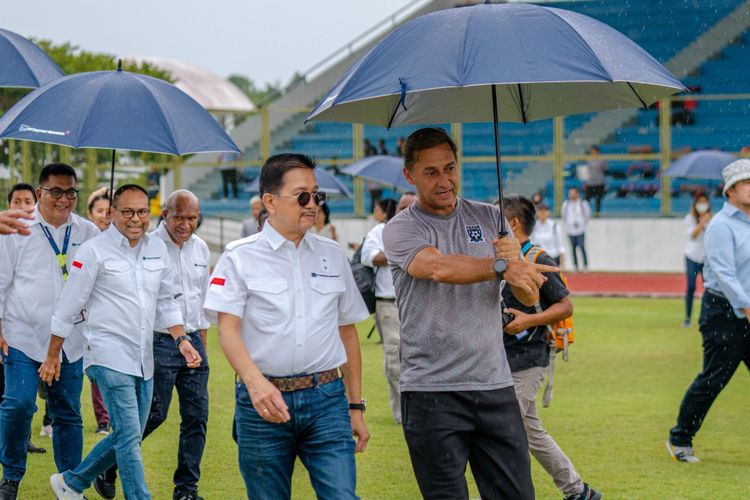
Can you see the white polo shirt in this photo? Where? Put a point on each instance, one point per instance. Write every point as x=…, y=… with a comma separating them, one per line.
x=31, y=281
x=123, y=289
x=292, y=300
x=190, y=271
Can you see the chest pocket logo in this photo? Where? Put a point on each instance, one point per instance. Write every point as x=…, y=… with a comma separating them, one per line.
x=475, y=233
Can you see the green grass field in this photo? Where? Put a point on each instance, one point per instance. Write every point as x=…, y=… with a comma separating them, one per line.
x=615, y=401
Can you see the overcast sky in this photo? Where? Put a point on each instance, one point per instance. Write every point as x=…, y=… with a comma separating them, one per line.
x=266, y=40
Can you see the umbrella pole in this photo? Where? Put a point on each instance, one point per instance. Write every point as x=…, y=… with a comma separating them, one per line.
x=112, y=179
x=495, y=127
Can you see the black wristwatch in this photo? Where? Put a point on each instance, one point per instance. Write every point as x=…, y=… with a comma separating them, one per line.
x=362, y=406
x=179, y=340
x=499, y=266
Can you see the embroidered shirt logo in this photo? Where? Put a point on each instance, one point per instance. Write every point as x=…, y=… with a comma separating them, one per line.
x=319, y=275
x=475, y=233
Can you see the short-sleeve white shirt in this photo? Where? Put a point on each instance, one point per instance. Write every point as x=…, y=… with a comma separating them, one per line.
x=291, y=300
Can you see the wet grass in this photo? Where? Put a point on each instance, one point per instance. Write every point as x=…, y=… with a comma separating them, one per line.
x=614, y=403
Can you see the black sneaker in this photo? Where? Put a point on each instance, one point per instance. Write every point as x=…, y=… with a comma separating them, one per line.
x=8, y=489
x=32, y=448
x=587, y=494
x=102, y=429
x=104, y=484
x=187, y=496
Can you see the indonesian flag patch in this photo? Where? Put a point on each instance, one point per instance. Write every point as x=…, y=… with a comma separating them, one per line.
x=78, y=264
x=218, y=281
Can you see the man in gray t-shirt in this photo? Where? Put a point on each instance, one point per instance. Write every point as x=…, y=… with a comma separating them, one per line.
x=458, y=403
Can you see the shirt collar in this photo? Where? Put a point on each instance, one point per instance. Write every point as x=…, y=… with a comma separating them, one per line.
x=275, y=239
x=735, y=212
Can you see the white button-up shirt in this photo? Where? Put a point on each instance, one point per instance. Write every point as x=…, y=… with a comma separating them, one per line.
x=190, y=271
x=291, y=300
x=31, y=281
x=372, y=246
x=123, y=289
x=548, y=235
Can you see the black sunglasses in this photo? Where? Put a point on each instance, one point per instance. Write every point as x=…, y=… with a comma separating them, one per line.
x=303, y=198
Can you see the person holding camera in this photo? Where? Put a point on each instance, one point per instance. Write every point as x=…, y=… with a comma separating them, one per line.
x=528, y=351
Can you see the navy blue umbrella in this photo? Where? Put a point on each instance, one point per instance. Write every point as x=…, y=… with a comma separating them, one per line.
x=327, y=182
x=386, y=170
x=511, y=62
x=23, y=64
x=704, y=164
x=115, y=110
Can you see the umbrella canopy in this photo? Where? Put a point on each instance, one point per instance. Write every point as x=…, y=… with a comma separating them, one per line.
x=327, y=182
x=543, y=61
x=511, y=62
x=704, y=164
x=115, y=110
x=386, y=170
x=23, y=64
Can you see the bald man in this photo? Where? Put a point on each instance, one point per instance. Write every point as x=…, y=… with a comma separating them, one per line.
x=406, y=200
x=190, y=258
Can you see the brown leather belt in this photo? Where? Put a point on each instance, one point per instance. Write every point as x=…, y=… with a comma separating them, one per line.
x=290, y=384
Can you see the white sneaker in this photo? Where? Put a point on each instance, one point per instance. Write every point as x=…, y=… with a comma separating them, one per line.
x=682, y=453
x=62, y=490
x=46, y=431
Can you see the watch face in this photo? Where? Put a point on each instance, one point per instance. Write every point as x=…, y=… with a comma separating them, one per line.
x=500, y=265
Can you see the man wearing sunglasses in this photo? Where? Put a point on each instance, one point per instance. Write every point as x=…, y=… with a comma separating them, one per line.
x=33, y=270
x=287, y=303
x=124, y=278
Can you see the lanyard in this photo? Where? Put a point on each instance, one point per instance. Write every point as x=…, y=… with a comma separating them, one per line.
x=59, y=255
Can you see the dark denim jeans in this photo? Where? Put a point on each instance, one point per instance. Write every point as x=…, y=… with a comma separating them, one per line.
x=578, y=241
x=170, y=372
x=726, y=344
x=692, y=270
x=446, y=430
x=19, y=405
x=128, y=401
x=319, y=433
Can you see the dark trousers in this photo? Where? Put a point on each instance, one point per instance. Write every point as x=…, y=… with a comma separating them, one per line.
x=229, y=176
x=171, y=371
x=446, y=430
x=692, y=270
x=726, y=344
x=596, y=192
x=578, y=241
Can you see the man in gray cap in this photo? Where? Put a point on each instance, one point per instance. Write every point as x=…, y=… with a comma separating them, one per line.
x=725, y=309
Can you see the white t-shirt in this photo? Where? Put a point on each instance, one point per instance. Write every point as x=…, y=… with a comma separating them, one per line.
x=693, y=246
x=548, y=235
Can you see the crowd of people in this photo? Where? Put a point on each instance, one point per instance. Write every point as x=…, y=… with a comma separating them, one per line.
x=463, y=313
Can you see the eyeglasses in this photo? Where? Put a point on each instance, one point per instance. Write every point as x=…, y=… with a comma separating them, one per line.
x=303, y=198
x=57, y=193
x=128, y=213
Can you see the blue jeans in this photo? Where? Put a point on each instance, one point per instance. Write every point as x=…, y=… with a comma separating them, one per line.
x=578, y=241
x=693, y=269
x=319, y=433
x=19, y=405
x=170, y=372
x=128, y=401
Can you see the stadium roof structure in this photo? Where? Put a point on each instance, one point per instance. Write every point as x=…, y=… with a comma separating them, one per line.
x=213, y=92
